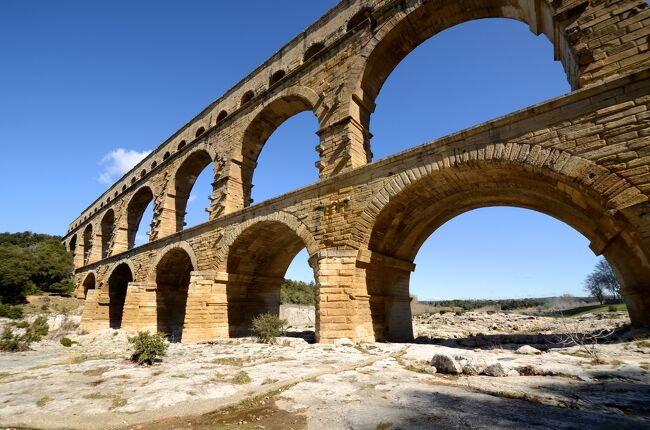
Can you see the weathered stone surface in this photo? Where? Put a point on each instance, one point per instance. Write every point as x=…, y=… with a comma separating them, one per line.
x=528, y=350
x=446, y=364
x=583, y=158
x=495, y=369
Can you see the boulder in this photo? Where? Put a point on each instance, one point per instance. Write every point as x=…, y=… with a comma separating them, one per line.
x=495, y=369
x=446, y=364
x=528, y=350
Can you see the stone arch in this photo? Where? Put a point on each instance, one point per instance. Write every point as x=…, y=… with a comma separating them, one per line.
x=72, y=245
x=184, y=178
x=107, y=229
x=118, y=278
x=417, y=21
x=288, y=103
x=257, y=257
x=183, y=246
x=596, y=202
x=87, y=243
x=293, y=223
x=171, y=275
x=89, y=282
x=134, y=211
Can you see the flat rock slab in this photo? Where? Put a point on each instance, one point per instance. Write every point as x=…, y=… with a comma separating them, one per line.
x=378, y=385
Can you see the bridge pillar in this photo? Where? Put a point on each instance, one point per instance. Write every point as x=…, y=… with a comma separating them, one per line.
x=167, y=217
x=343, y=146
x=638, y=305
x=206, y=312
x=121, y=242
x=341, y=302
x=139, y=312
x=95, y=247
x=88, y=315
x=387, y=283
x=97, y=317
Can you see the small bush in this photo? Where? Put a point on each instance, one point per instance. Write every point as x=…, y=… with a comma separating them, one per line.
x=612, y=308
x=67, y=342
x=267, y=327
x=38, y=329
x=148, y=347
x=13, y=312
x=241, y=377
x=13, y=342
x=21, y=324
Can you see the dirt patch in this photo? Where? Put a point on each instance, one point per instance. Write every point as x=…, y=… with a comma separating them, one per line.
x=251, y=414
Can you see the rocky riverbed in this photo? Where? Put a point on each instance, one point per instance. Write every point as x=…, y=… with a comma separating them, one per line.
x=506, y=371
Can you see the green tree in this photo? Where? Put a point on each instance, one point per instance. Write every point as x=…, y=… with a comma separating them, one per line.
x=602, y=282
x=30, y=263
x=15, y=279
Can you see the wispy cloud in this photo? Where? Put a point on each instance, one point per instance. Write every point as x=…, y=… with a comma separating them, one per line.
x=117, y=163
x=192, y=198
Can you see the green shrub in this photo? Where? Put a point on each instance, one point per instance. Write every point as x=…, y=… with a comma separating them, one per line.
x=11, y=342
x=67, y=342
x=38, y=329
x=21, y=324
x=13, y=312
x=148, y=347
x=267, y=327
x=612, y=308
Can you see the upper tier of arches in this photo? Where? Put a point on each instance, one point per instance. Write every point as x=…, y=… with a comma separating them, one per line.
x=338, y=81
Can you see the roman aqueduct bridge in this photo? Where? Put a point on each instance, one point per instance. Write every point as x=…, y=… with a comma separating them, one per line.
x=583, y=158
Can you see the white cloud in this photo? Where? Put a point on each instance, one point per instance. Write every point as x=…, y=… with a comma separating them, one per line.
x=192, y=198
x=117, y=163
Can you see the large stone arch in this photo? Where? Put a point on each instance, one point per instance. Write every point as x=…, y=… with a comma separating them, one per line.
x=256, y=257
x=171, y=275
x=107, y=231
x=182, y=245
x=291, y=221
x=184, y=177
x=412, y=22
x=118, y=278
x=87, y=243
x=265, y=120
x=135, y=209
x=599, y=204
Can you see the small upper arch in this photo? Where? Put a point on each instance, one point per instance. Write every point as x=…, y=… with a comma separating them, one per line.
x=313, y=49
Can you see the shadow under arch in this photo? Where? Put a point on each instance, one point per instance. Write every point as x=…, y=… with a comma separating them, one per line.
x=118, y=281
x=257, y=258
x=171, y=274
x=89, y=283
x=411, y=212
x=270, y=116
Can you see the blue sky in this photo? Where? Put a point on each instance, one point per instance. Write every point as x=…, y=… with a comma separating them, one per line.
x=87, y=88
